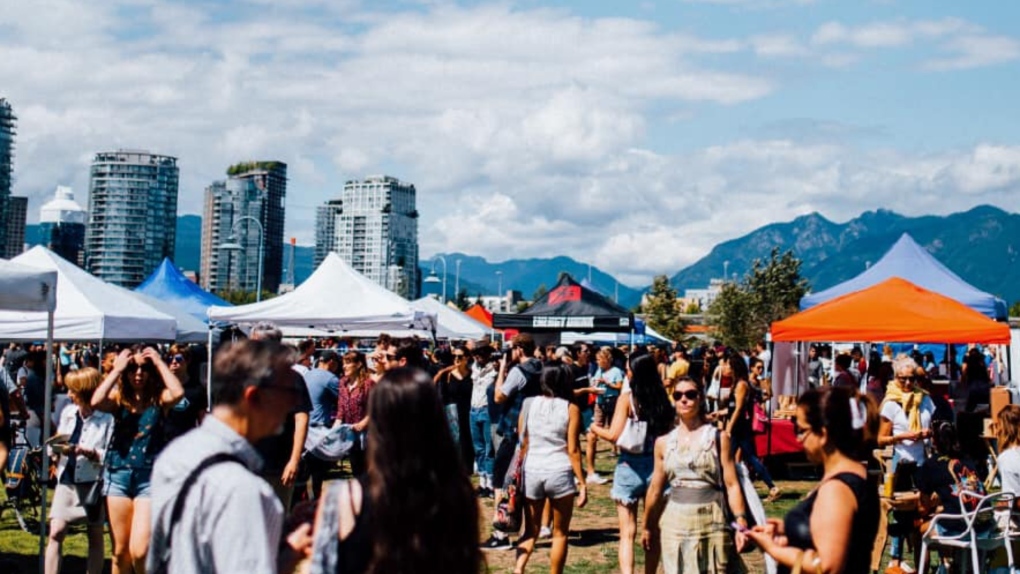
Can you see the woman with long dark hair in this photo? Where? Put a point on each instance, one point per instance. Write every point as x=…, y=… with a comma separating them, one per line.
x=646, y=401
x=414, y=511
x=740, y=406
x=455, y=388
x=549, y=429
x=138, y=392
x=833, y=529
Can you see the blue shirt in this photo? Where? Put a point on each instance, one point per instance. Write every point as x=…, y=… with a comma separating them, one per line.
x=323, y=389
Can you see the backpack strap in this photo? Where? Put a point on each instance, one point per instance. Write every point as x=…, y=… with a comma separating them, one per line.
x=182, y=495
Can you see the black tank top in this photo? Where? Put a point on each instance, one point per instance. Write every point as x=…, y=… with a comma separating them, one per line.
x=355, y=551
x=862, y=532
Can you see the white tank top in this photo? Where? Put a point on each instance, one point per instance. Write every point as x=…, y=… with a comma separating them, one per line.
x=546, y=427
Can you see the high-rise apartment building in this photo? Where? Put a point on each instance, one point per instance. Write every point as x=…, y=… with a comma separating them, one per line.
x=62, y=221
x=377, y=232
x=240, y=214
x=132, y=216
x=326, y=216
x=8, y=123
x=17, y=213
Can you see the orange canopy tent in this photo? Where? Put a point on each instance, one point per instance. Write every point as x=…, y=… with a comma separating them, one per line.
x=894, y=310
x=480, y=314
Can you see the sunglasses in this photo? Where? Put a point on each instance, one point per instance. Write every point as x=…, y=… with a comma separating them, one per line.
x=177, y=359
x=689, y=395
x=801, y=432
x=458, y=355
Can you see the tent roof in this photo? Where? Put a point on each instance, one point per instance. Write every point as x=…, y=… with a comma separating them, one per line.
x=910, y=261
x=168, y=284
x=27, y=288
x=895, y=310
x=451, y=323
x=480, y=314
x=569, y=306
x=335, y=298
x=87, y=308
x=189, y=328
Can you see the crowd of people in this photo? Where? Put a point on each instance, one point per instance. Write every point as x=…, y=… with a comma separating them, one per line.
x=189, y=486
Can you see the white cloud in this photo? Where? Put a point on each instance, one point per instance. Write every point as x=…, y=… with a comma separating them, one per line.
x=777, y=45
x=976, y=52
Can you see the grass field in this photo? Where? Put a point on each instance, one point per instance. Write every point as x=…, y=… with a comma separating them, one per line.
x=593, y=537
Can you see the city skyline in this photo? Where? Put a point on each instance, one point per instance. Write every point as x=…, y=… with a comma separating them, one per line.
x=589, y=129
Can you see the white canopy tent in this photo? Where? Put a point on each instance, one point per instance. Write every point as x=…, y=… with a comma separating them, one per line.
x=29, y=290
x=189, y=328
x=88, y=308
x=451, y=323
x=336, y=298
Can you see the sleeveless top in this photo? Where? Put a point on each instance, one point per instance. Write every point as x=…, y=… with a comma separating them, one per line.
x=862, y=531
x=137, y=438
x=742, y=428
x=546, y=427
x=694, y=464
x=353, y=554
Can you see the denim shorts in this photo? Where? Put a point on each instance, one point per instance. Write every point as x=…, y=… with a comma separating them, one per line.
x=587, y=417
x=128, y=482
x=632, y=476
x=551, y=485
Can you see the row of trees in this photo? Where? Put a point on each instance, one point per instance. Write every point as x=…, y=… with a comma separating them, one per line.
x=743, y=311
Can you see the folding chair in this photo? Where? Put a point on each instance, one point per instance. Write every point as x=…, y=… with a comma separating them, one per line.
x=983, y=516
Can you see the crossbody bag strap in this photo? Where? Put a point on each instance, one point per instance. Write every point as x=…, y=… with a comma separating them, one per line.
x=182, y=495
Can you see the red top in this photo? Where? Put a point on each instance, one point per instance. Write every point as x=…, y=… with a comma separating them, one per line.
x=352, y=405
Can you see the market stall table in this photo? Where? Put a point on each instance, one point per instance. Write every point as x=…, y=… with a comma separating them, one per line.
x=780, y=439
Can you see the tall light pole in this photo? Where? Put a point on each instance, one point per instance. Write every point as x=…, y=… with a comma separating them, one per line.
x=441, y=259
x=262, y=238
x=499, y=289
x=456, y=280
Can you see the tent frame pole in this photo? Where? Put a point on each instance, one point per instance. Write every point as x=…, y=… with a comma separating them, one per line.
x=46, y=422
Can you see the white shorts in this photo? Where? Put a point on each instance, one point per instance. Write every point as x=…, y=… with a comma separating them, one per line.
x=551, y=485
x=67, y=504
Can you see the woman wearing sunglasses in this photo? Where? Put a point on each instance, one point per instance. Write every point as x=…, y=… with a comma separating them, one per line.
x=138, y=392
x=905, y=424
x=694, y=458
x=645, y=400
x=188, y=413
x=833, y=529
x=455, y=389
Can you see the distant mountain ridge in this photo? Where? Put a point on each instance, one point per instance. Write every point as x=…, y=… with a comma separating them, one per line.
x=981, y=245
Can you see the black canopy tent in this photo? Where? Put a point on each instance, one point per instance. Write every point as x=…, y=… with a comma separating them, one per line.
x=569, y=306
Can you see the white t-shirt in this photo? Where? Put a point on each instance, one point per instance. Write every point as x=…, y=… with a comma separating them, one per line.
x=547, y=435
x=908, y=450
x=1009, y=470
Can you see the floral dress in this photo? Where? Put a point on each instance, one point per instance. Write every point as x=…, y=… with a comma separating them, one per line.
x=694, y=534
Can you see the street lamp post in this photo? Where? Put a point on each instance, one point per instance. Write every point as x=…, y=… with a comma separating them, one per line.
x=499, y=289
x=262, y=238
x=442, y=299
x=456, y=280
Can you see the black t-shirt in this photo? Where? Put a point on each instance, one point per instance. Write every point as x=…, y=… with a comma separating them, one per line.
x=67, y=477
x=582, y=380
x=934, y=477
x=184, y=415
x=275, y=450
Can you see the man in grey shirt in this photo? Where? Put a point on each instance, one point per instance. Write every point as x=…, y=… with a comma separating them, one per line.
x=231, y=520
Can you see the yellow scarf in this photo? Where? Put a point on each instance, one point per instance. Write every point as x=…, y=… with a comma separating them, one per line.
x=911, y=402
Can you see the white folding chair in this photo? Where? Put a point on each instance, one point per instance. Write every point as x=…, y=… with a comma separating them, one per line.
x=983, y=516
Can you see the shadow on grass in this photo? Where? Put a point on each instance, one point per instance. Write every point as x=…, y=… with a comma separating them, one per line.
x=594, y=537
x=11, y=563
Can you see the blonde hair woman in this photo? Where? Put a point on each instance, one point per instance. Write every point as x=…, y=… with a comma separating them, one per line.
x=78, y=469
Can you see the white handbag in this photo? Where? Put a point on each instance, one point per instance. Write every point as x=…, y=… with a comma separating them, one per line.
x=632, y=439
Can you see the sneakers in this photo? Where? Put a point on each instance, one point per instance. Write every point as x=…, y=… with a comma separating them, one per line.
x=494, y=543
x=544, y=533
x=902, y=568
x=774, y=494
x=595, y=478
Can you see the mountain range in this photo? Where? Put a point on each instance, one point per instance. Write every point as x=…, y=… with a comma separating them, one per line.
x=981, y=245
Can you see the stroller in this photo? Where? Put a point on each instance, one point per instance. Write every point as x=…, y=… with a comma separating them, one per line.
x=22, y=482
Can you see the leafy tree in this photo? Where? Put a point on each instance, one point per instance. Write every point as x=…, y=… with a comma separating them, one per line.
x=693, y=308
x=662, y=309
x=462, y=300
x=241, y=297
x=539, y=292
x=1014, y=310
x=744, y=311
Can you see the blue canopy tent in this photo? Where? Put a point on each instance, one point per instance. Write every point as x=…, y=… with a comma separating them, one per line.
x=908, y=260
x=168, y=284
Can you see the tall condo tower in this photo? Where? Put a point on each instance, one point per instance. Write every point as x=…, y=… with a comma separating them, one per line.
x=326, y=216
x=377, y=232
x=238, y=213
x=8, y=124
x=132, y=216
x=62, y=221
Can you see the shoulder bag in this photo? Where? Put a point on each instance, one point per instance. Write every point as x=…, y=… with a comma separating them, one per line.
x=635, y=431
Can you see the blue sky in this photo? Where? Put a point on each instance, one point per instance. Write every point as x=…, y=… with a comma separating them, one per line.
x=634, y=135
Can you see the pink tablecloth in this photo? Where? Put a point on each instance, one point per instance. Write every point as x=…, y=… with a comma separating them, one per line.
x=783, y=439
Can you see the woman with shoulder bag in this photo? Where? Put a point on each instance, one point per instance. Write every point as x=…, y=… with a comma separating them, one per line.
x=644, y=407
x=740, y=406
x=78, y=494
